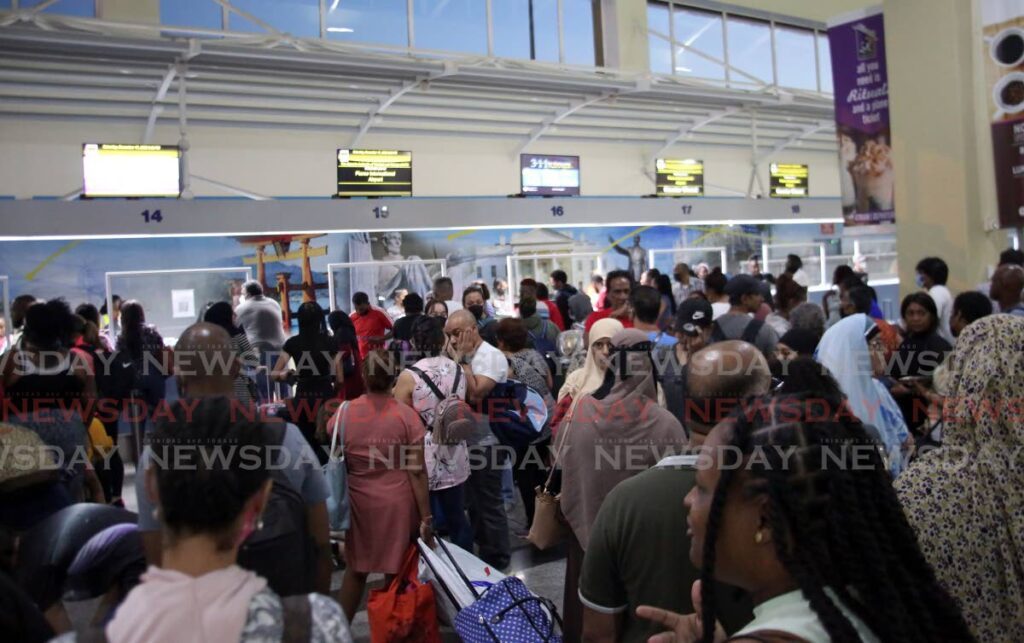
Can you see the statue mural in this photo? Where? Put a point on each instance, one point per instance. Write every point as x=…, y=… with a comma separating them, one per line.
x=391, y=276
x=636, y=254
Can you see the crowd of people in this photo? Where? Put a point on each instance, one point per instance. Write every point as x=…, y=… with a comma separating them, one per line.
x=724, y=458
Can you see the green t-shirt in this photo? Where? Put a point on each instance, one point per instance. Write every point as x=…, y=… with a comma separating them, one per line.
x=639, y=553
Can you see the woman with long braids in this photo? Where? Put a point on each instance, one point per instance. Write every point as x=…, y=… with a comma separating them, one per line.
x=794, y=505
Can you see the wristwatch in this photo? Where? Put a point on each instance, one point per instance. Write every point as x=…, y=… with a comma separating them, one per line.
x=465, y=359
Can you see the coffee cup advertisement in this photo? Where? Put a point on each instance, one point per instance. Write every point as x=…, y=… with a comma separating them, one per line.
x=861, y=82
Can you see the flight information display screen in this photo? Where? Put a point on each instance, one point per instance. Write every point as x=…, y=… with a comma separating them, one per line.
x=545, y=175
x=788, y=181
x=374, y=173
x=131, y=170
x=679, y=177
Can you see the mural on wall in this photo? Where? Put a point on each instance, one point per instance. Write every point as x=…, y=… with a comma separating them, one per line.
x=295, y=268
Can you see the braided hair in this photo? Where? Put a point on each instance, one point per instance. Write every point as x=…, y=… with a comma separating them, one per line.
x=836, y=523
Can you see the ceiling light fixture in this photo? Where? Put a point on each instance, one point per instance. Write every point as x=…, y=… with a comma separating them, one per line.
x=340, y=29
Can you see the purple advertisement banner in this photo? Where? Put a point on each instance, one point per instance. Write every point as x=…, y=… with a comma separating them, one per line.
x=861, y=86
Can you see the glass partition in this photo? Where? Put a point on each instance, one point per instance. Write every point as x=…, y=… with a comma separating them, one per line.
x=5, y=313
x=173, y=300
x=812, y=254
x=665, y=260
x=578, y=267
x=877, y=257
x=383, y=281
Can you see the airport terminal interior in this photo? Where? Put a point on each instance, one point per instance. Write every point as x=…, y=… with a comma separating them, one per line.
x=511, y=320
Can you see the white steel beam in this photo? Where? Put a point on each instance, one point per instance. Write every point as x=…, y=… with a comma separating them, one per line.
x=548, y=123
x=807, y=131
x=253, y=19
x=449, y=69
x=157, y=108
x=692, y=127
x=229, y=188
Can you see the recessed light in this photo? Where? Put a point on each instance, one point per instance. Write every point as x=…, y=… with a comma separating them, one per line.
x=340, y=30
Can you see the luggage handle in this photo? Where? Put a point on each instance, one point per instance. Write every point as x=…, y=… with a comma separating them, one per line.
x=455, y=564
x=444, y=585
x=518, y=603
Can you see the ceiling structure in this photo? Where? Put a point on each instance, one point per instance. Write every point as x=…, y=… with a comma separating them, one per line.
x=78, y=69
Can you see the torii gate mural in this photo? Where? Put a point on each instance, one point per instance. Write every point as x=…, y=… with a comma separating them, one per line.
x=282, y=252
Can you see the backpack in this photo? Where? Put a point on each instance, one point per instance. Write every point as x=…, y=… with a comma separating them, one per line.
x=545, y=346
x=453, y=418
x=122, y=378
x=749, y=333
x=517, y=414
x=664, y=358
x=282, y=551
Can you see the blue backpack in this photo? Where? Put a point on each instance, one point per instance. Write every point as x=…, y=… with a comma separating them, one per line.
x=517, y=414
x=545, y=346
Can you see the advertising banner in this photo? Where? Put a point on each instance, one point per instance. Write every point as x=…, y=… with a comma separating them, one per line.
x=861, y=84
x=1003, y=40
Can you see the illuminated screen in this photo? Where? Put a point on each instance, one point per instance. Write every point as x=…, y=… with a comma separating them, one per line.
x=679, y=177
x=126, y=170
x=788, y=181
x=550, y=175
x=374, y=173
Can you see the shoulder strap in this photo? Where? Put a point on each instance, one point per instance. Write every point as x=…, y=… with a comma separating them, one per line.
x=429, y=382
x=339, y=428
x=717, y=334
x=751, y=331
x=458, y=378
x=298, y=619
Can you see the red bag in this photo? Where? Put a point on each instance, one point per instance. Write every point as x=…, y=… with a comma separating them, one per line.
x=404, y=610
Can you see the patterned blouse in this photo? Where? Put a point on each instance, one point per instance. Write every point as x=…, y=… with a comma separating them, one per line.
x=447, y=466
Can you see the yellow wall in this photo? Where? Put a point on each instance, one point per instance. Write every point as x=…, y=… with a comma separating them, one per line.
x=942, y=152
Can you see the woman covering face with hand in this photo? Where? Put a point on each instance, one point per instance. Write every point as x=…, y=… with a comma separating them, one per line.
x=800, y=512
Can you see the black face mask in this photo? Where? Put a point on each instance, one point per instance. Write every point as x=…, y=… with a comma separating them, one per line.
x=478, y=311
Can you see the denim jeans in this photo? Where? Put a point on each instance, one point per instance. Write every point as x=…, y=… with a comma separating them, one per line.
x=449, y=509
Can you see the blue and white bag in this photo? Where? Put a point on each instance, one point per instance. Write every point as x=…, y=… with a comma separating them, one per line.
x=337, y=477
x=508, y=612
x=502, y=612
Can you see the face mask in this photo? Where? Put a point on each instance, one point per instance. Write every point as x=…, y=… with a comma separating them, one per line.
x=478, y=311
x=920, y=280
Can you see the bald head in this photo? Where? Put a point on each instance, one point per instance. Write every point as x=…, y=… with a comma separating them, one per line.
x=1007, y=283
x=460, y=319
x=205, y=361
x=719, y=376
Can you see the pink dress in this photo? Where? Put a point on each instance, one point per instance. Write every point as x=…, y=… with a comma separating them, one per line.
x=385, y=519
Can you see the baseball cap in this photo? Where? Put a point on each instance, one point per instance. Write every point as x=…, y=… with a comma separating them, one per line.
x=693, y=314
x=743, y=285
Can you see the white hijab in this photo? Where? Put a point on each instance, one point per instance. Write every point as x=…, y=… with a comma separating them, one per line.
x=588, y=379
x=844, y=351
